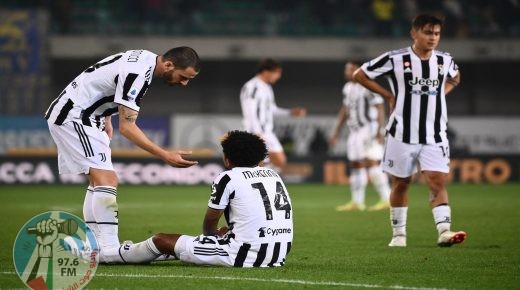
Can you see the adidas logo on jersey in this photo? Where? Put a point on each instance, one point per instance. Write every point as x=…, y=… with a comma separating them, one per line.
x=424, y=82
x=272, y=232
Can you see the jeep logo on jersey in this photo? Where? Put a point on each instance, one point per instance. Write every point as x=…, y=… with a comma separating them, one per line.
x=424, y=82
x=272, y=232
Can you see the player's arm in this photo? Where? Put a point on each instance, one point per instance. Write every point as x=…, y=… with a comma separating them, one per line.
x=361, y=77
x=109, y=129
x=342, y=118
x=210, y=224
x=295, y=112
x=380, y=121
x=129, y=129
x=451, y=83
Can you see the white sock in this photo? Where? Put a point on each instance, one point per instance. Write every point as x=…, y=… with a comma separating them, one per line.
x=380, y=181
x=139, y=253
x=442, y=217
x=398, y=220
x=88, y=214
x=104, y=205
x=358, y=184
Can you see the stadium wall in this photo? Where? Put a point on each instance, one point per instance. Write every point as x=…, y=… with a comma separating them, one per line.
x=483, y=150
x=318, y=169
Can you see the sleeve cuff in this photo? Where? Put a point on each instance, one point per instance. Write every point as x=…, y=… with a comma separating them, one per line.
x=216, y=206
x=363, y=68
x=128, y=105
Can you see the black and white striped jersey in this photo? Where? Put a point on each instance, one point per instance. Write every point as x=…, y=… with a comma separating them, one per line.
x=258, y=211
x=361, y=106
x=259, y=107
x=420, y=115
x=119, y=79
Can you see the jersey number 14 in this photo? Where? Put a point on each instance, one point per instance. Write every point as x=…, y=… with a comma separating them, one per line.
x=281, y=202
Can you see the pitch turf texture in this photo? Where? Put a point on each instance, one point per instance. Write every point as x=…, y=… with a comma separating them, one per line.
x=330, y=250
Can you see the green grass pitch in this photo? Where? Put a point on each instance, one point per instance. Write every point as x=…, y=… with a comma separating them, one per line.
x=330, y=250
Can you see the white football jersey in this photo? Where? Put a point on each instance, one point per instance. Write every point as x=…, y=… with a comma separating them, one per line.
x=259, y=107
x=258, y=211
x=361, y=104
x=420, y=115
x=119, y=79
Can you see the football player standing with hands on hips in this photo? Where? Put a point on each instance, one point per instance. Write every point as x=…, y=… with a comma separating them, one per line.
x=420, y=77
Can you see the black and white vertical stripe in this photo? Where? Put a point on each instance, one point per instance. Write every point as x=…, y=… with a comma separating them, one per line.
x=420, y=115
x=216, y=196
x=263, y=255
x=358, y=101
x=84, y=140
x=53, y=104
x=119, y=79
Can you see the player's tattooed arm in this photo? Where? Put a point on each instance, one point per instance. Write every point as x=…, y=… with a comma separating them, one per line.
x=131, y=131
x=127, y=114
x=451, y=83
x=109, y=129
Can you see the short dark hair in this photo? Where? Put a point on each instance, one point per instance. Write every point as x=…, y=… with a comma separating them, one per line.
x=243, y=149
x=183, y=57
x=421, y=20
x=268, y=64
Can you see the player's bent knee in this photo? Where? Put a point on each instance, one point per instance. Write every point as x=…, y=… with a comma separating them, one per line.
x=159, y=241
x=165, y=243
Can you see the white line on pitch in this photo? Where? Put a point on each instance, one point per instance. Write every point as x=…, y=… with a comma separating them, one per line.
x=282, y=281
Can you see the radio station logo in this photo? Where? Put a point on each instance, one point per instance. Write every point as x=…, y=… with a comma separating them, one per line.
x=55, y=250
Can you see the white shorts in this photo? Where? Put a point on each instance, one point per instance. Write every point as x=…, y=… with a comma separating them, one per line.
x=361, y=144
x=272, y=142
x=81, y=148
x=205, y=250
x=213, y=251
x=400, y=159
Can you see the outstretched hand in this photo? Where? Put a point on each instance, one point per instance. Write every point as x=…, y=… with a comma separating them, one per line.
x=176, y=159
x=298, y=112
